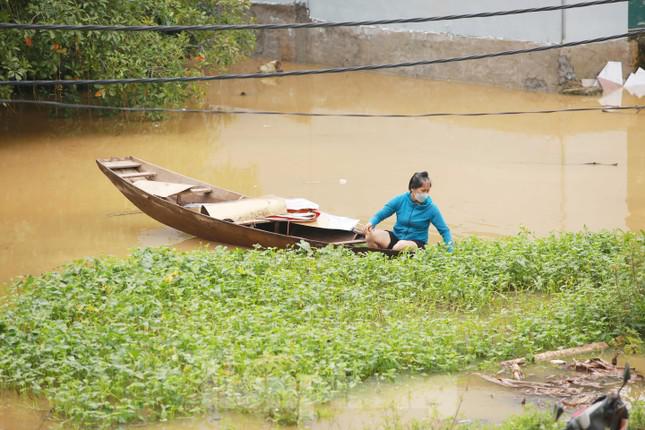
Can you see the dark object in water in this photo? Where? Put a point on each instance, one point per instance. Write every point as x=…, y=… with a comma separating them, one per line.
x=595, y=163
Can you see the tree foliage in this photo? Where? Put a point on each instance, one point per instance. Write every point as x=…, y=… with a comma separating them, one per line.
x=28, y=54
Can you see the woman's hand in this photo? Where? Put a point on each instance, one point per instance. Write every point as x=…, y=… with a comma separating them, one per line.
x=367, y=229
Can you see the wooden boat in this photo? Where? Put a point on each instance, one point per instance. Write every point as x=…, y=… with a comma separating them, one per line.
x=178, y=205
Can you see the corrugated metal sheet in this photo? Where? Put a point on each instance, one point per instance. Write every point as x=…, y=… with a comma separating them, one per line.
x=636, y=14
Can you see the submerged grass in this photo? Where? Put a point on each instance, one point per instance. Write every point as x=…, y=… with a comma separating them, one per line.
x=531, y=419
x=166, y=333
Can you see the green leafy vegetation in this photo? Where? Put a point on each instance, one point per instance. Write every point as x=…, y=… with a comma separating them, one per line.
x=166, y=333
x=531, y=419
x=637, y=416
x=28, y=54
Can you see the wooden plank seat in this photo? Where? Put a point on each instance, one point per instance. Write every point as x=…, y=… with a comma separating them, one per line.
x=253, y=222
x=122, y=164
x=162, y=189
x=200, y=189
x=137, y=175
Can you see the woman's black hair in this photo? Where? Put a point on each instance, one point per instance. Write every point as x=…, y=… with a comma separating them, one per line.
x=418, y=180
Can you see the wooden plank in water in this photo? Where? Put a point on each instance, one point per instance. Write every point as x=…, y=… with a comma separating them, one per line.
x=121, y=164
x=549, y=355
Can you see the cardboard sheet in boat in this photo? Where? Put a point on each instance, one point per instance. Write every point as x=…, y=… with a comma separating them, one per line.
x=246, y=209
x=295, y=216
x=257, y=209
x=161, y=189
x=296, y=204
x=332, y=222
x=298, y=209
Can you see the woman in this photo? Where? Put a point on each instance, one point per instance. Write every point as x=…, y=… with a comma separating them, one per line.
x=414, y=214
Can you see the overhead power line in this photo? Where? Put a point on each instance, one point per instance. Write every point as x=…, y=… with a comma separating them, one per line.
x=224, y=111
x=224, y=27
x=180, y=79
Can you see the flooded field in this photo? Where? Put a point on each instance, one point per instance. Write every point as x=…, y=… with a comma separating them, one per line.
x=370, y=406
x=373, y=405
x=491, y=175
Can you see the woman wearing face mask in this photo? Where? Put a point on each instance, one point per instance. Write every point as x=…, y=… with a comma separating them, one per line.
x=414, y=214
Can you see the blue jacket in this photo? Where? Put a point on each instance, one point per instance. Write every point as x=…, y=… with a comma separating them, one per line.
x=413, y=219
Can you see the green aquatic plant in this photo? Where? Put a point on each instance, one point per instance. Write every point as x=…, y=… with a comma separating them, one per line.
x=166, y=333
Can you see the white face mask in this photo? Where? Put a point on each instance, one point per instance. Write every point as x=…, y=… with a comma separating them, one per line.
x=421, y=197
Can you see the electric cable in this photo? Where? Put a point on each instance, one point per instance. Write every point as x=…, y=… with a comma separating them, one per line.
x=222, y=110
x=224, y=27
x=179, y=79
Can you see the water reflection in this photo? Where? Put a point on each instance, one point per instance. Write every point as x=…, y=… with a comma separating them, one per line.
x=636, y=177
x=23, y=413
x=371, y=405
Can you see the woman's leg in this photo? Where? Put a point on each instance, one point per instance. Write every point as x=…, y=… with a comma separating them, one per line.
x=379, y=239
x=405, y=244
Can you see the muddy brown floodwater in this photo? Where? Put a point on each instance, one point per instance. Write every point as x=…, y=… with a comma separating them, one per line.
x=492, y=176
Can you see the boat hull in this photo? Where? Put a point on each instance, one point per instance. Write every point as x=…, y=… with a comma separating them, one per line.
x=203, y=226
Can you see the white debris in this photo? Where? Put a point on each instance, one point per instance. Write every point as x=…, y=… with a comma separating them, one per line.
x=589, y=83
x=612, y=99
x=611, y=76
x=636, y=83
x=271, y=67
x=299, y=203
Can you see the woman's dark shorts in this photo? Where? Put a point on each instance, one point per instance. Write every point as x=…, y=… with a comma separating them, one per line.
x=393, y=240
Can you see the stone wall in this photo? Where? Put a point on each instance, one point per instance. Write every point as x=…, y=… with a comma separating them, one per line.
x=280, y=44
x=348, y=46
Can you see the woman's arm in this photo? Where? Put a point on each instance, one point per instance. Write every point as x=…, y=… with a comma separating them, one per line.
x=442, y=228
x=389, y=208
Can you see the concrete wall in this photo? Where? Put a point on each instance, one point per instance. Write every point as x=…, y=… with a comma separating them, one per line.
x=546, y=71
x=544, y=27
